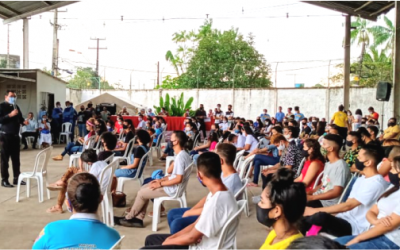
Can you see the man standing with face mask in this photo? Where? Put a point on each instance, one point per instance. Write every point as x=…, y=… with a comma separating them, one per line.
x=10, y=119
x=200, y=115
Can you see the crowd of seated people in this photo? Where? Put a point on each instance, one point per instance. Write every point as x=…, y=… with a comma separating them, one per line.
x=340, y=178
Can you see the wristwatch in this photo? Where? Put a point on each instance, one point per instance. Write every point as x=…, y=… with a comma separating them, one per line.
x=161, y=184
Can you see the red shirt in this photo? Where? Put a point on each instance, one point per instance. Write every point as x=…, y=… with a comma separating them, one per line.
x=305, y=169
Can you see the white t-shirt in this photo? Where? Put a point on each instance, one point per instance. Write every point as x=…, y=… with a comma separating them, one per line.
x=252, y=141
x=386, y=207
x=181, y=162
x=96, y=169
x=218, y=209
x=232, y=183
x=224, y=126
x=141, y=125
x=366, y=191
x=357, y=118
x=42, y=126
x=240, y=141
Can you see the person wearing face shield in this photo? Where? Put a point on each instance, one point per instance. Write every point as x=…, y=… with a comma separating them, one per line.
x=10, y=120
x=282, y=205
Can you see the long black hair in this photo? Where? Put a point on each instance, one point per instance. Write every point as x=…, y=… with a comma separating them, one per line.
x=249, y=131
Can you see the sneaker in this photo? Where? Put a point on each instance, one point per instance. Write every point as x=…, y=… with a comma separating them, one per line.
x=58, y=158
x=132, y=223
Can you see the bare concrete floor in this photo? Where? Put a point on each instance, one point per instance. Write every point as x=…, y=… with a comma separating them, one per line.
x=20, y=223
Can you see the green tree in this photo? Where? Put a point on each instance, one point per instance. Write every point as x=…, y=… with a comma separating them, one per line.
x=85, y=78
x=361, y=34
x=220, y=59
x=3, y=63
x=384, y=35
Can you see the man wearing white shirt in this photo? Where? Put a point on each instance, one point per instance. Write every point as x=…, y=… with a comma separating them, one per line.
x=142, y=123
x=229, y=113
x=219, y=207
x=31, y=129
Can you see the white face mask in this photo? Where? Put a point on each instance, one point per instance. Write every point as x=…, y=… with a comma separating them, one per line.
x=314, y=120
x=281, y=146
x=108, y=127
x=44, y=119
x=187, y=129
x=287, y=136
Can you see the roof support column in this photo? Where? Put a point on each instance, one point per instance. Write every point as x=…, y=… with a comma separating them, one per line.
x=346, y=84
x=26, y=43
x=396, y=64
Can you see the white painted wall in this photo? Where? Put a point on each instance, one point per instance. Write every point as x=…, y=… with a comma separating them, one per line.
x=46, y=83
x=249, y=103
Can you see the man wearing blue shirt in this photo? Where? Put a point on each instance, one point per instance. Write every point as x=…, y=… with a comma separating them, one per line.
x=280, y=115
x=56, y=121
x=264, y=116
x=298, y=116
x=68, y=116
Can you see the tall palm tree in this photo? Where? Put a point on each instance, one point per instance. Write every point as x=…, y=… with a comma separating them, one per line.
x=174, y=60
x=361, y=35
x=384, y=35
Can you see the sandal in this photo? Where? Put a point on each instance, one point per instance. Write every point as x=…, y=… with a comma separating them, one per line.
x=54, y=187
x=252, y=184
x=54, y=210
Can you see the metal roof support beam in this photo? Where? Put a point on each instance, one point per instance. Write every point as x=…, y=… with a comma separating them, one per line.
x=9, y=9
x=26, y=43
x=17, y=78
x=363, y=6
x=38, y=11
x=383, y=9
x=396, y=64
x=346, y=83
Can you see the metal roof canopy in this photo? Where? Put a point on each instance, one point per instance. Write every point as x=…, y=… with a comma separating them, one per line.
x=366, y=9
x=12, y=11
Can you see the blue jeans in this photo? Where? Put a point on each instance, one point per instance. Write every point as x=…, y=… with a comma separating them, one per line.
x=195, y=157
x=380, y=242
x=262, y=160
x=176, y=222
x=82, y=129
x=119, y=153
x=71, y=149
x=169, y=150
x=130, y=173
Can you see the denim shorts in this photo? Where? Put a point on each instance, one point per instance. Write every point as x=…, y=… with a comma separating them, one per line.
x=130, y=173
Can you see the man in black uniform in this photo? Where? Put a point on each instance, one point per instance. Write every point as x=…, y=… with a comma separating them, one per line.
x=200, y=115
x=10, y=119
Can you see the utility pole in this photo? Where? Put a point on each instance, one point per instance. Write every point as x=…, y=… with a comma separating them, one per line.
x=56, y=27
x=158, y=74
x=8, y=46
x=97, y=48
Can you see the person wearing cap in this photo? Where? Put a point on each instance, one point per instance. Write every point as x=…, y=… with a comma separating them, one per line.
x=84, y=228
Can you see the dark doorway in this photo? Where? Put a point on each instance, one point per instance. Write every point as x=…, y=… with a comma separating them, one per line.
x=50, y=104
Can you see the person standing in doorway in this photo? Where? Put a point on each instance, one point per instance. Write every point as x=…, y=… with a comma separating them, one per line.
x=200, y=115
x=11, y=120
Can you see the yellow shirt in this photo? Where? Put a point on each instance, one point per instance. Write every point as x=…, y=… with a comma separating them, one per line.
x=284, y=244
x=340, y=118
x=390, y=131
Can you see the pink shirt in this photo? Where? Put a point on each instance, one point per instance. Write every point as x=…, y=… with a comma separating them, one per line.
x=213, y=145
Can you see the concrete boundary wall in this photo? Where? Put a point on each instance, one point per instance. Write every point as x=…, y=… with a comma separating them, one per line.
x=249, y=103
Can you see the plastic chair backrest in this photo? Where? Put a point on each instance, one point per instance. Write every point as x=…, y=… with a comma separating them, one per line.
x=182, y=186
x=245, y=166
x=99, y=144
x=110, y=167
x=239, y=193
x=195, y=141
x=41, y=161
x=346, y=192
x=159, y=139
x=110, y=159
x=231, y=225
x=66, y=127
x=117, y=244
x=129, y=147
x=318, y=179
x=142, y=163
x=301, y=167
x=121, y=134
x=91, y=142
x=238, y=155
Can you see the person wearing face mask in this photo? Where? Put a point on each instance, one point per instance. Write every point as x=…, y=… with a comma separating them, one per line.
x=251, y=141
x=84, y=226
x=349, y=217
x=118, y=125
x=384, y=218
x=128, y=134
x=336, y=175
x=200, y=115
x=313, y=165
x=56, y=121
x=142, y=123
x=340, y=119
x=290, y=153
x=82, y=122
x=166, y=186
x=189, y=131
x=390, y=151
x=264, y=115
x=372, y=114
x=218, y=114
x=392, y=131
x=45, y=136
x=305, y=129
x=279, y=115
x=105, y=114
x=282, y=205
x=224, y=126
x=353, y=141
x=268, y=126
x=31, y=130
x=10, y=120
x=68, y=116
x=230, y=114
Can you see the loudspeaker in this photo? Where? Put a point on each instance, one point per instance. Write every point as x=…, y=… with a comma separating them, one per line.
x=383, y=91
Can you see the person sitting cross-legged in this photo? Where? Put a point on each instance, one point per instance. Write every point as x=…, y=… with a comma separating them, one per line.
x=84, y=228
x=166, y=186
x=31, y=130
x=89, y=157
x=348, y=218
x=179, y=218
x=220, y=205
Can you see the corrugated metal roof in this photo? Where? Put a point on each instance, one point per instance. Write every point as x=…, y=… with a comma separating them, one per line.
x=12, y=11
x=366, y=9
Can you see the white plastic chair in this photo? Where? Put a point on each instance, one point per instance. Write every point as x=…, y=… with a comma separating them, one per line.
x=121, y=134
x=31, y=139
x=128, y=152
x=74, y=157
x=107, y=203
x=231, y=226
x=318, y=179
x=238, y=155
x=243, y=190
x=39, y=173
x=110, y=159
x=196, y=140
x=117, y=244
x=300, y=167
x=245, y=166
x=157, y=147
x=179, y=196
x=139, y=173
x=66, y=128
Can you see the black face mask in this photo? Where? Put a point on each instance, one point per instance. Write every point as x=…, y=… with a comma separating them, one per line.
x=391, y=124
x=90, y=105
x=387, y=150
x=305, y=153
x=124, y=126
x=359, y=165
x=82, y=109
x=303, y=123
x=263, y=217
x=363, y=122
x=349, y=143
x=394, y=179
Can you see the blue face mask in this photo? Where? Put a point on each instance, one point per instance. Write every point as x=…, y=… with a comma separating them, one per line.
x=237, y=131
x=11, y=100
x=201, y=181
